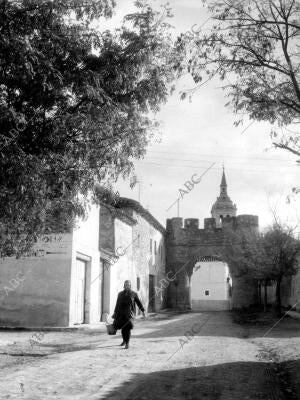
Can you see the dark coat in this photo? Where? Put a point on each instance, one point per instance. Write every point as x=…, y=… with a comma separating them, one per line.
x=125, y=307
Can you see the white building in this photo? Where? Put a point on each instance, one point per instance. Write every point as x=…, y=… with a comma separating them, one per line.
x=51, y=285
x=211, y=285
x=74, y=277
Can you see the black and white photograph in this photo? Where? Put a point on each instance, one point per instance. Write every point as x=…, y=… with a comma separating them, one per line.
x=149, y=200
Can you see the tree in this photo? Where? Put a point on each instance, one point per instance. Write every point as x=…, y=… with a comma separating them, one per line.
x=246, y=256
x=75, y=105
x=263, y=258
x=283, y=252
x=253, y=46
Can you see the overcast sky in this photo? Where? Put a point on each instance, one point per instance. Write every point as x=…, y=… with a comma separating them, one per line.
x=198, y=134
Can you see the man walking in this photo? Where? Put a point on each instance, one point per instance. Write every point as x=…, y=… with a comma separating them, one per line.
x=125, y=312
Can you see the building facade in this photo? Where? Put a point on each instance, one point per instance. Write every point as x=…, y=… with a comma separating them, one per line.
x=132, y=245
x=211, y=285
x=72, y=278
x=51, y=285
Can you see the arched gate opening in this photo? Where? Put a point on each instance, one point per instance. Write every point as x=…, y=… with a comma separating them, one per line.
x=211, y=285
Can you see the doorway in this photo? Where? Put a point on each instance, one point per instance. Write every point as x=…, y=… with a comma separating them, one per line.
x=105, y=289
x=209, y=288
x=151, y=303
x=80, y=291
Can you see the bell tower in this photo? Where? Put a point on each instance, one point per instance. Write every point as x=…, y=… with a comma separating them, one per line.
x=224, y=206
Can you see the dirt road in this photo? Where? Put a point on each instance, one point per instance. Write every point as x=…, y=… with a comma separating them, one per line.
x=173, y=356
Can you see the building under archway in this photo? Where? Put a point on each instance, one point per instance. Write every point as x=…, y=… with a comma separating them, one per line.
x=211, y=285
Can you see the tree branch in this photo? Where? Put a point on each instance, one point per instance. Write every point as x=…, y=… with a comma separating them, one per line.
x=286, y=147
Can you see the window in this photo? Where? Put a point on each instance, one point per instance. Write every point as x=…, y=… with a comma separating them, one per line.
x=151, y=246
x=206, y=292
x=138, y=283
x=155, y=249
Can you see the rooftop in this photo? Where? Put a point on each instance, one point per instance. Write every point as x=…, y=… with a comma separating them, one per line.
x=124, y=202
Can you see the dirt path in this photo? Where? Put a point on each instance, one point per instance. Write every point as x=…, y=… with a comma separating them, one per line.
x=184, y=356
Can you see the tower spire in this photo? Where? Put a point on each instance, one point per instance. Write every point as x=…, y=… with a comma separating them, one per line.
x=223, y=207
x=223, y=182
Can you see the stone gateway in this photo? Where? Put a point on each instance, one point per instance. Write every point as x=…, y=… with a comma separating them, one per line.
x=187, y=246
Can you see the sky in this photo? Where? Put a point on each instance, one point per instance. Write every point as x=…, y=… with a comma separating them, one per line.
x=201, y=133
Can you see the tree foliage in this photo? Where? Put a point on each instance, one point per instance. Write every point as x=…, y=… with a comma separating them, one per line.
x=245, y=254
x=282, y=250
x=254, y=47
x=267, y=257
x=75, y=104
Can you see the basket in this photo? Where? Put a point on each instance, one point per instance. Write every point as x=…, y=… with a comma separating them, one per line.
x=110, y=329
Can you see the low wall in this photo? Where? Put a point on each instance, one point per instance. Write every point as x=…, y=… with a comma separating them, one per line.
x=210, y=305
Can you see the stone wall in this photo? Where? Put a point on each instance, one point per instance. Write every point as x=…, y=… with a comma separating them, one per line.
x=244, y=293
x=186, y=244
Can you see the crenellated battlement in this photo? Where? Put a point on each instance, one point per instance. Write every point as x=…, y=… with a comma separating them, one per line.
x=209, y=224
x=188, y=229
x=174, y=224
x=191, y=223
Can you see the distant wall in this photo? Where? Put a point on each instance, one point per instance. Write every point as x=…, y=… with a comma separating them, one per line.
x=290, y=291
x=211, y=277
x=210, y=286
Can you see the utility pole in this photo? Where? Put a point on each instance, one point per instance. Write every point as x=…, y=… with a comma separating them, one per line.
x=133, y=181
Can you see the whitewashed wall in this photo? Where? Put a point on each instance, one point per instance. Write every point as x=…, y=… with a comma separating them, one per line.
x=86, y=244
x=122, y=269
x=35, y=290
x=210, y=276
